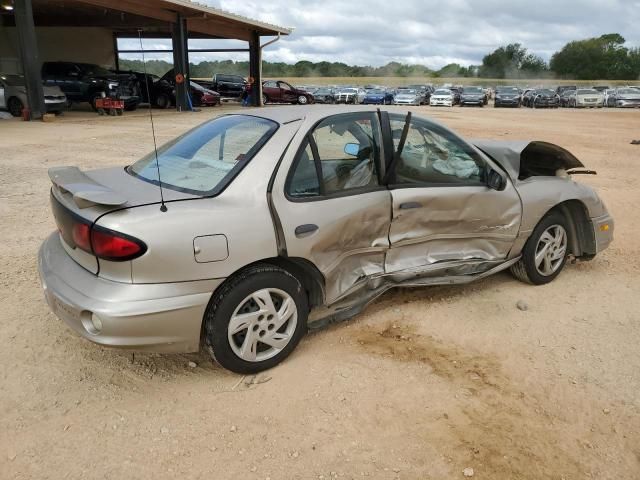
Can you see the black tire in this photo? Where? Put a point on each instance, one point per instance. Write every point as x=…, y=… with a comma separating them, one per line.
x=92, y=102
x=15, y=106
x=163, y=101
x=525, y=270
x=131, y=108
x=265, y=99
x=229, y=297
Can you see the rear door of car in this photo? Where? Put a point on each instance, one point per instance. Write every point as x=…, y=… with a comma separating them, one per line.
x=443, y=214
x=333, y=209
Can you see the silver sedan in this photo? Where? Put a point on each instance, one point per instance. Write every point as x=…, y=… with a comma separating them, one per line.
x=254, y=227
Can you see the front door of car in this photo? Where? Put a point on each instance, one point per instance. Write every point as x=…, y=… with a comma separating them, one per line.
x=286, y=92
x=331, y=205
x=444, y=214
x=271, y=90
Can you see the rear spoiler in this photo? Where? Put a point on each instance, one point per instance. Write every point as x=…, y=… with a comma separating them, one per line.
x=86, y=191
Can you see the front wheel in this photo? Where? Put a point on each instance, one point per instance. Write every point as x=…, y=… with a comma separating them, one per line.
x=265, y=99
x=15, y=106
x=256, y=319
x=302, y=100
x=545, y=253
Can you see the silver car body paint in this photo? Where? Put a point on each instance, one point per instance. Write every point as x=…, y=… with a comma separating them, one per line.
x=364, y=244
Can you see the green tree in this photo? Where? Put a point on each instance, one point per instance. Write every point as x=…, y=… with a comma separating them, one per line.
x=511, y=61
x=604, y=57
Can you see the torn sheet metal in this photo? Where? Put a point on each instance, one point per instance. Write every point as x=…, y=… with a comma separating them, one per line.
x=528, y=158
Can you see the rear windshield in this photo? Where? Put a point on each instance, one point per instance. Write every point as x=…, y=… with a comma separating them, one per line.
x=229, y=78
x=204, y=160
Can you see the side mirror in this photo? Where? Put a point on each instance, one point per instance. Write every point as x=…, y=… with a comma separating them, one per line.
x=352, y=149
x=496, y=181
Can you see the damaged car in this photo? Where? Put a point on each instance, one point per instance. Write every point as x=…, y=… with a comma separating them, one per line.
x=254, y=227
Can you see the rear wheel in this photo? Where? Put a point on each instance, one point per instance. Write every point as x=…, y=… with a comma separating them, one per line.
x=545, y=253
x=15, y=106
x=256, y=319
x=265, y=99
x=163, y=101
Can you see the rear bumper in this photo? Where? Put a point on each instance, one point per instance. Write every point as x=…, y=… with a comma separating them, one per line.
x=603, y=227
x=164, y=318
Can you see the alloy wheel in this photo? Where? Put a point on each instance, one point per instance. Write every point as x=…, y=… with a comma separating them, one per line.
x=262, y=325
x=551, y=250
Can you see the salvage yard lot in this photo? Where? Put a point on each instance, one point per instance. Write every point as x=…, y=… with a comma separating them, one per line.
x=423, y=384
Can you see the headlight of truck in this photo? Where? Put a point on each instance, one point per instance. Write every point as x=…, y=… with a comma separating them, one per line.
x=113, y=85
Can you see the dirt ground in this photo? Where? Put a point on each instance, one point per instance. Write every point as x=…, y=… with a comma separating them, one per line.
x=423, y=384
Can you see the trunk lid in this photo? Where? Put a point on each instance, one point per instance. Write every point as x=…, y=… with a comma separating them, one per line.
x=79, y=197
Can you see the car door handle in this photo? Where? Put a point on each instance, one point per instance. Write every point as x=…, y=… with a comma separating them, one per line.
x=305, y=230
x=408, y=205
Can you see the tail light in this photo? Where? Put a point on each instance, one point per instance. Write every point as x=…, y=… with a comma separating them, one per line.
x=102, y=242
x=117, y=247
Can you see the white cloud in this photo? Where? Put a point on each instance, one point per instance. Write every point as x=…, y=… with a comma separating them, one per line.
x=429, y=32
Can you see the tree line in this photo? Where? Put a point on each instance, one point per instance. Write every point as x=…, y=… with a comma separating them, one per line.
x=604, y=57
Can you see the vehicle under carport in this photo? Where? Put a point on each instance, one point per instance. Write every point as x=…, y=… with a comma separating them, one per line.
x=35, y=31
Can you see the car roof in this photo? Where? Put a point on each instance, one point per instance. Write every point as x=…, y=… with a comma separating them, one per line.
x=291, y=113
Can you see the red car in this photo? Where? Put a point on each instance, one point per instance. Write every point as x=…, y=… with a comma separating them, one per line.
x=201, y=96
x=277, y=91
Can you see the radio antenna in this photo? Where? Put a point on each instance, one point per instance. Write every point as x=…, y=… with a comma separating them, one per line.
x=163, y=207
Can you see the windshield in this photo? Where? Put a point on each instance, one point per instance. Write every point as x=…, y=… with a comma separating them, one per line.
x=349, y=90
x=472, y=90
x=205, y=159
x=13, y=80
x=376, y=91
x=586, y=92
x=89, y=69
x=443, y=92
x=545, y=91
x=323, y=91
x=507, y=90
x=407, y=91
x=628, y=90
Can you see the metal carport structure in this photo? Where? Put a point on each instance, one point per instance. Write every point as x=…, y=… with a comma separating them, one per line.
x=175, y=19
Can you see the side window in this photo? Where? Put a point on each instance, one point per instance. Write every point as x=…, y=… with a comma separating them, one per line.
x=270, y=84
x=432, y=155
x=284, y=86
x=340, y=154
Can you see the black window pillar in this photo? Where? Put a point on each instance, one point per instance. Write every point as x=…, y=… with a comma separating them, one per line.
x=179, y=40
x=255, y=69
x=28, y=45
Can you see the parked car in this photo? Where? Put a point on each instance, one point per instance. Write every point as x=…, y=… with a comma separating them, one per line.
x=378, y=96
x=473, y=96
x=587, y=98
x=563, y=88
x=283, y=221
x=626, y=97
x=228, y=86
x=142, y=82
x=407, y=96
x=164, y=93
x=457, y=93
x=324, y=95
x=442, y=97
x=277, y=91
x=608, y=93
x=84, y=82
x=567, y=98
x=424, y=92
x=352, y=95
x=507, y=97
x=541, y=98
x=13, y=96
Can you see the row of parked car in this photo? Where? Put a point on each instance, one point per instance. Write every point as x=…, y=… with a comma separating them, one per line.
x=66, y=83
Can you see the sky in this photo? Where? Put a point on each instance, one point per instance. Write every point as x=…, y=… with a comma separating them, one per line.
x=426, y=32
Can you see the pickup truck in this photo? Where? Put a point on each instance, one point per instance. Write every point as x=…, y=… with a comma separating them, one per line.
x=229, y=86
x=84, y=82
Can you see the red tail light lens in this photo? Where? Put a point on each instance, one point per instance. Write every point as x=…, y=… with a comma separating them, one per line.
x=80, y=233
x=114, y=246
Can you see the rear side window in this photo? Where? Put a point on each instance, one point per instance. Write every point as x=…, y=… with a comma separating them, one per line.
x=204, y=160
x=340, y=154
